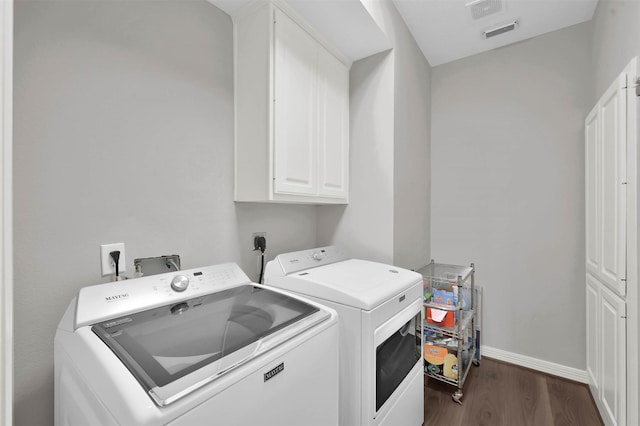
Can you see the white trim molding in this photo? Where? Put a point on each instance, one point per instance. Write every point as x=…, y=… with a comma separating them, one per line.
x=552, y=368
x=6, y=227
x=633, y=244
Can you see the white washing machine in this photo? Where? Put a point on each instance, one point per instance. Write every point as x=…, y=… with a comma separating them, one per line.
x=380, y=311
x=195, y=347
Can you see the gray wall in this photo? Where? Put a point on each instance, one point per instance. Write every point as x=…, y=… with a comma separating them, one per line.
x=364, y=226
x=507, y=172
x=123, y=133
x=412, y=156
x=388, y=215
x=615, y=39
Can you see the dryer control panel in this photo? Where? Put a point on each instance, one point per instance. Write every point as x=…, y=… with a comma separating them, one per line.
x=104, y=301
x=288, y=263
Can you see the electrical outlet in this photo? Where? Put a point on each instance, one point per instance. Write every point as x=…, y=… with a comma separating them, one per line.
x=259, y=241
x=256, y=235
x=108, y=265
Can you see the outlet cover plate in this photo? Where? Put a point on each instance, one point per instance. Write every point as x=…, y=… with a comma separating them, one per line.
x=108, y=266
x=257, y=234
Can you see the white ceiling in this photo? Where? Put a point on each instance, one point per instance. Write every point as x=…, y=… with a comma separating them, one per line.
x=445, y=30
x=346, y=24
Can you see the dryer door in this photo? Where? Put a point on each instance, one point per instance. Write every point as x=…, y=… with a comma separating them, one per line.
x=175, y=349
x=398, y=349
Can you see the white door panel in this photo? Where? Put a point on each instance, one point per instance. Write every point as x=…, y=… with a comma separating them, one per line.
x=592, y=194
x=593, y=334
x=333, y=143
x=613, y=191
x=294, y=107
x=612, y=357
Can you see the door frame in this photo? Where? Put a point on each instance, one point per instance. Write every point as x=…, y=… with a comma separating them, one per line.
x=6, y=227
x=633, y=239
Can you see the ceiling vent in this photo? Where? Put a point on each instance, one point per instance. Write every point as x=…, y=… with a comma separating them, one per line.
x=500, y=29
x=481, y=8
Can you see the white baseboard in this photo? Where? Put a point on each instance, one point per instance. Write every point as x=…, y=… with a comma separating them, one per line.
x=536, y=364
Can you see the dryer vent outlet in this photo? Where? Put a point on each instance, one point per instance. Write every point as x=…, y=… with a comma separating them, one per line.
x=500, y=30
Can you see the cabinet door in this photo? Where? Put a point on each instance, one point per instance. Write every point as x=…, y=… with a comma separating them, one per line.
x=592, y=194
x=613, y=160
x=333, y=125
x=593, y=333
x=294, y=108
x=612, y=357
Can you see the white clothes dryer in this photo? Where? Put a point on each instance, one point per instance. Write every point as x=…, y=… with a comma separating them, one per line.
x=380, y=314
x=195, y=347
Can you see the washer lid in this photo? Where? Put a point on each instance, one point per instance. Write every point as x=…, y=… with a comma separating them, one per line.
x=175, y=349
x=359, y=283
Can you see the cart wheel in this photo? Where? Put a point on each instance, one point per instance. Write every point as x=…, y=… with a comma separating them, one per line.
x=456, y=396
x=476, y=362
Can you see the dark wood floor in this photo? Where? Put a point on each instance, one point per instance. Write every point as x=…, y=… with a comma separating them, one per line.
x=501, y=394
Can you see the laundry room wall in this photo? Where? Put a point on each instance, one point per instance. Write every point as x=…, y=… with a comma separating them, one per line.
x=388, y=215
x=508, y=188
x=123, y=133
x=412, y=155
x=615, y=40
x=363, y=227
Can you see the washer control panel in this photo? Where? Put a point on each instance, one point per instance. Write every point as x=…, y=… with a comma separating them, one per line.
x=104, y=301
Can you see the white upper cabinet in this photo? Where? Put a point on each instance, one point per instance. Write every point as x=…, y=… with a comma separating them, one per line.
x=292, y=112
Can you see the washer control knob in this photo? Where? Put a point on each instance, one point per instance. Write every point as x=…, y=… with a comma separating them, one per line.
x=180, y=283
x=318, y=255
x=181, y=308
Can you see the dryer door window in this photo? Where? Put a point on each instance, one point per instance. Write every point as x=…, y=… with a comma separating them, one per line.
x=163, y=347
x=395, y=357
